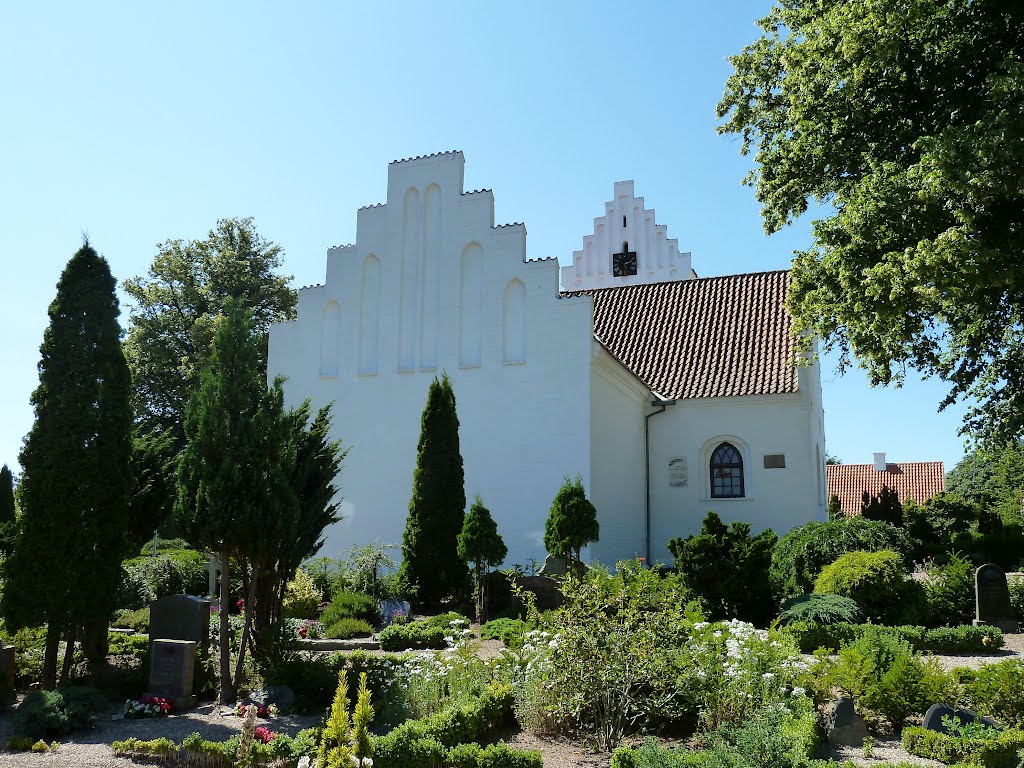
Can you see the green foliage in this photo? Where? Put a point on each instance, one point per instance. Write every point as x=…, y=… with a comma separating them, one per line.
x=157, y=750
x=652, y=755
x=416, y=635
x=728, y=569
x=947, y=640
x=991, y=478
x=835, y=508
x=351, y=605
x=1016, y=587
x=136, y=646
x=431, y=568
x=172, y=572
x=950, y=591
x=874, y=580
x=178, y=305
x=996, y=690
x=1000, y=752
x=821, y=609
x=344, y=629
x=45, y=714
x=301, y=597
x=335, y=742
x=76, y=479
x=7, y=510
x=368, y=567
x=509, y=631
x=137, y=620
x=885, y=507
x=802, y=553
x=907, y=121
x=571, y=524
x=153, y=464
x=481, y=545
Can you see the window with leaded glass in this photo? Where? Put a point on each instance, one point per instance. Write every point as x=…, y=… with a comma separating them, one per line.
x=726, y=472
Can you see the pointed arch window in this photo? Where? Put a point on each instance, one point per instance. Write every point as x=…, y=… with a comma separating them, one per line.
x=726, y=472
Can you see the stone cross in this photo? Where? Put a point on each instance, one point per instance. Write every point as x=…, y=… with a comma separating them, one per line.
x=992, y=599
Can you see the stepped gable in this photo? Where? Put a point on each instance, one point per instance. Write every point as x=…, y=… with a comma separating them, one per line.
x=707, y=337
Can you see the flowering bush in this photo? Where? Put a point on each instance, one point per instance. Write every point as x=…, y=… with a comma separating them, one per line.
x=266, y=711
x=263, y=734
x=310, y=629
x=736, y=669
x=147, y=706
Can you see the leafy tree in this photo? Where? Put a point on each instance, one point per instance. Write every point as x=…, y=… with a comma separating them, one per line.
x=728, y=569
x=76, y=481
x=905, y=119
x=7, y=511
x=178, y=304
x=571, y=524
x=431, y=567
x=482, y=545
x=991, y=478
x=830, y=459
x=835, y=508
x=885, y=507
x=154, y=463
x=234, y=473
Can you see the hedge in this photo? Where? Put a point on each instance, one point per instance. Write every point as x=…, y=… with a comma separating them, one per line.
x=417, y=635
x=1000, y=752
x=963, y=639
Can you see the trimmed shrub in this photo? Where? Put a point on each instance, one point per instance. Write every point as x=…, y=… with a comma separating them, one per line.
x=821, y=609
x=877, y=583
x=801, y=554
x=155, y=750
x=416, y=635
x=301, y=597
x=351, y=605
x=509, y=631
x=964, y=639
x=1000, y=752
x=43, y=714
x=137, y=620
x=344, y=629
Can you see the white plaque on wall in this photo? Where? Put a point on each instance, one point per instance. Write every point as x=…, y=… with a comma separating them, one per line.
x=677, y=472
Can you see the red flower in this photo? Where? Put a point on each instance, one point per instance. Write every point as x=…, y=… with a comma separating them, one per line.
x=264, y=734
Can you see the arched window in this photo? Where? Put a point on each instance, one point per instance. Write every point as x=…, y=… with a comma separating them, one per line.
x=726, y=472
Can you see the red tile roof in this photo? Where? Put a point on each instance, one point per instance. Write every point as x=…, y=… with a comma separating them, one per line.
x=709, y=337
x=914, y=480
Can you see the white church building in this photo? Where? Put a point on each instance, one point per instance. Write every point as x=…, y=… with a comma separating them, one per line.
x=669, y=394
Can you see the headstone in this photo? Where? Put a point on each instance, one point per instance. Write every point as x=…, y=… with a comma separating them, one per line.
x=180, y=617
x=844, y=726
x=172, y=664
x=992, y=598
x=933, y=717
x=213, y=569
x=391, y=608
x=281, y=695
x=8, y=668
x=553, y=566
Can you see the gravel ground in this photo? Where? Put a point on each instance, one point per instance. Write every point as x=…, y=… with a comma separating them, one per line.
x=91, y=749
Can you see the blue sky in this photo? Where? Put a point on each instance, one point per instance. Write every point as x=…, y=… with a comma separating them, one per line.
x=138, y=123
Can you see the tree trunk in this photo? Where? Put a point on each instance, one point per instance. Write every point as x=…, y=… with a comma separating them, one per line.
x=96, y=642
x=69, y=654
x=227, y=691
x=479, y=594
x=249, y=604
x=49, y=680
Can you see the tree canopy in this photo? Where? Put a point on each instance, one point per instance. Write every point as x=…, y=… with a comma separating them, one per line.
x=571, y=524
x=905, y=120
x=480, y=544
x=76, y=480
x=176, y=308
x=7, y=509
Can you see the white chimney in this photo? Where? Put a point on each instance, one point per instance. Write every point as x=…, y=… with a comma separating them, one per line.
x=880, y=462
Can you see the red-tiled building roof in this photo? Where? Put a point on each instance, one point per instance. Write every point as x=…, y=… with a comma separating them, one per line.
x=709, y=337
x=912, y=480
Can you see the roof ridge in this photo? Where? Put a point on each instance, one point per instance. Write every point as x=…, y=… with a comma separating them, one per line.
x=424, y=157
x=692, y=281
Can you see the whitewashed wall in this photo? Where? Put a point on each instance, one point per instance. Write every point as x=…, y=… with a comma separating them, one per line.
x=432, y=285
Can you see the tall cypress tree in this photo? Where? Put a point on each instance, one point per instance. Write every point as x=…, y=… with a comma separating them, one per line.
x=77, y=478
x=6, y=510
x=431, y=567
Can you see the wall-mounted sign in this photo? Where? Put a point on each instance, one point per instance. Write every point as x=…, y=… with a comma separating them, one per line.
x=678, y=476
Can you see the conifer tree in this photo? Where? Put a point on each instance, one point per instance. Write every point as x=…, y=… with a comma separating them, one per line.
x=885, y=507
x=233, y=476
x=481, y=544
x=6, y=509
x=431, y=567
x=835, y=508
x=571, y=524
x=77, y=479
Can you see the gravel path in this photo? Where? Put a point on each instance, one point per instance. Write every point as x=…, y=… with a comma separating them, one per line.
x=91, y=749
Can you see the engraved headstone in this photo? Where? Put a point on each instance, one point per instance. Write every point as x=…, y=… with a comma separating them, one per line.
x=180, y=617
x=171, y=668
x=933, y=717
x=992, y=598
x=845, y=726
x=391, y=608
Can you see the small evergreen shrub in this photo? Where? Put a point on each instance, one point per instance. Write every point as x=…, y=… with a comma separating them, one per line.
x=416, y=635
x=874, y=580
x=155, y=750
x=509, y=631
x=301, y=597
x=996, y=690
x=652, y=755
x=998, y=752
x=950, y=591
x=344, y=629
x=136, y=646
x=351, y=605
x=947, y=640
x=821, y=609
x=43, y=714
x=137, y=620
x=801, y=554
x=1016, y=586
x=171, y=572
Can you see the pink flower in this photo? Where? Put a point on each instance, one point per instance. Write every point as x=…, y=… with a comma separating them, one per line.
x=264, y=734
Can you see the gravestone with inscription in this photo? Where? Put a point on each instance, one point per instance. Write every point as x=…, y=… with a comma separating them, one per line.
x=992, y=598
x=171, y=668
x=180, y=617
x=390, y=608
